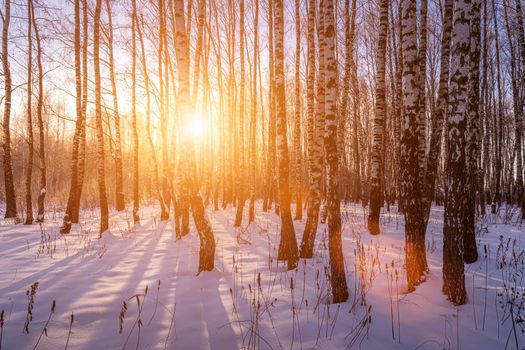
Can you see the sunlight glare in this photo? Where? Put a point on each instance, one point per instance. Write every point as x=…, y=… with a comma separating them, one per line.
x=195, y=127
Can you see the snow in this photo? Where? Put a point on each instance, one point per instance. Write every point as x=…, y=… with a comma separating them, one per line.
x=91, y=278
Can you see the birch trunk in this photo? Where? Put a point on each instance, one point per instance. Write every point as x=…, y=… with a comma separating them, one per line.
x=335, y=247
x=101, y=171
x=473, y=137
x=422, y=61
x=253, y=113
x=314, y=137
x=166, y=170
x=356, y=152
x=499, y=115
x=41, y=128
x=519, y=104
x=271, y=112
x=73, y=190
x=136, y=194
x=453, y=241
x=288, y=243
x=484, y=110
x=10, y=196
x=239, y=144
x=30, y=138
x=415, y=253
x=377, y=166
x=297, y=115
x=82, y=136
x=345, y=100
x=119, y=185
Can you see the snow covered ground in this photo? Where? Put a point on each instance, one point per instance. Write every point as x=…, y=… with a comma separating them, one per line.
x=250, y=300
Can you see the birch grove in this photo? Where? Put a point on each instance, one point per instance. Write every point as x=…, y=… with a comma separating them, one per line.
x=294, y=108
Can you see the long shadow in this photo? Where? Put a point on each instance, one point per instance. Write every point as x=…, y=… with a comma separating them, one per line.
x=201, y=320
x=221, y=336
x=72, y=288
x=220, y=332
x=170, y=263
x=134, y=284
x=39, y=274
x=83, y=264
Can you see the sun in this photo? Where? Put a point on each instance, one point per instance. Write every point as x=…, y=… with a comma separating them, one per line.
x=195, y=127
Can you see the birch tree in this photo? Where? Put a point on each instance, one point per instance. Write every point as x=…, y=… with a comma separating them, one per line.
x=41, y=129
x=517, y=101
x=345, y=99
x=74, y=183
x=75, y=212
x=498, y=132
x=376, y=170
x=288, y=244
x=101, y=171
x=30, y=137
x=239, y=146
x=271, y=111
x=297, y=115
x=473, y=137
x=314, y=120
x=10, y=196
x=415, y=250
x=136, y=218
x=253, y=113
x=356, y=151
x=119, y=185
x=166, y=170
x=335, y=246
x=422, y=61
x=453, y=242
x=521, y=41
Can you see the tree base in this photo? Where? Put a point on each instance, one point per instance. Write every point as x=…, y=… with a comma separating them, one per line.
x=373, y=226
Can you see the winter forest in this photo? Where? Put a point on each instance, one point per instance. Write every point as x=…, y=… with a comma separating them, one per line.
x=262, y=174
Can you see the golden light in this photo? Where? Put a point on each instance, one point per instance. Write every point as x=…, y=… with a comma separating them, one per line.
x=195, y=127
